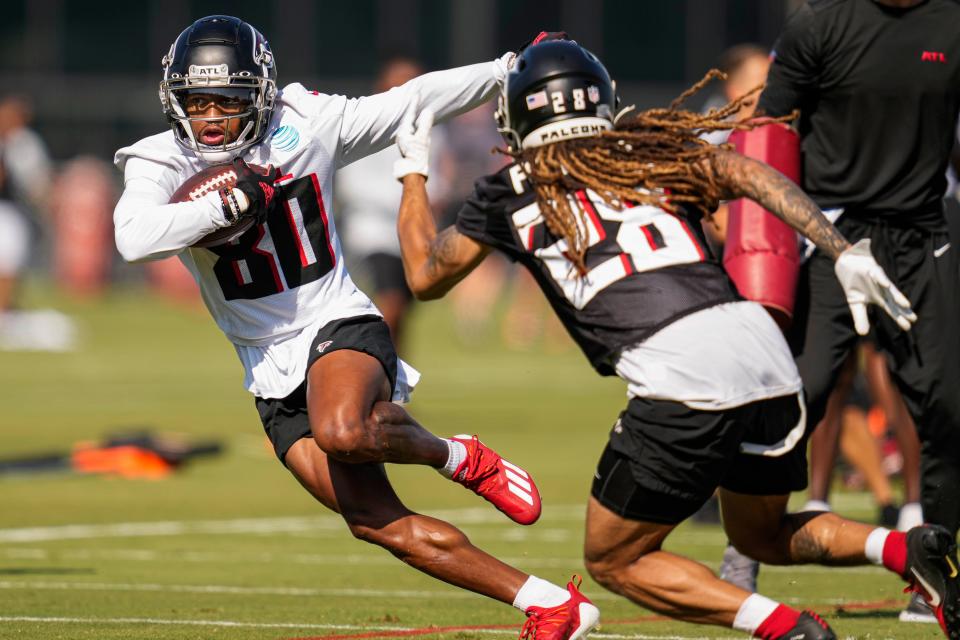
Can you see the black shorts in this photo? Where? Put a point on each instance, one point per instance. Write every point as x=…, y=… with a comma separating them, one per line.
x=384, y=271
x=664, y=459
x=285, y=419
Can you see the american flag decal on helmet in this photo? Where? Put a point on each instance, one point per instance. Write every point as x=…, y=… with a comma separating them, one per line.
x=536, y=100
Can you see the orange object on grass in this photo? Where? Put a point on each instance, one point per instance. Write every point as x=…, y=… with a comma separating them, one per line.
x=124, y=461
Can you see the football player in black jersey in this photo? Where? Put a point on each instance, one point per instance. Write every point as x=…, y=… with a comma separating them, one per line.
x=603, y=209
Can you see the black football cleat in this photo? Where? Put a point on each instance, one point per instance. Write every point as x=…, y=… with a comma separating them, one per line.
x=810, y=626
x=932, y=572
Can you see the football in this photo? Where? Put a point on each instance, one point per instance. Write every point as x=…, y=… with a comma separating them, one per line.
x=211, y=179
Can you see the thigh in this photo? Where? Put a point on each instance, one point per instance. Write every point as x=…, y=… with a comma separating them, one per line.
x=345, y=384
x=615, y=540
x=360, y=492
x=352, y=365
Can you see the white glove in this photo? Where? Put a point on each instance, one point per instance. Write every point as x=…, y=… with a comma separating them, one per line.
x=865, y=282
x=414, y=144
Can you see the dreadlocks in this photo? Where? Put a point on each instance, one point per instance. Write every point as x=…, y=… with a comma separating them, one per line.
x=642, y=159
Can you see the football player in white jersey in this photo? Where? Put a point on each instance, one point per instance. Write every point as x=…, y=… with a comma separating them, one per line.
x=604, y=212
x=316, y=352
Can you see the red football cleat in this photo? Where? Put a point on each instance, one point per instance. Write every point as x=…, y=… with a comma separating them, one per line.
x=508, y=487
x=571, y=620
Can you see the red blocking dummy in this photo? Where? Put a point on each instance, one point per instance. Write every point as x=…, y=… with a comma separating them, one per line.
x=761, y=253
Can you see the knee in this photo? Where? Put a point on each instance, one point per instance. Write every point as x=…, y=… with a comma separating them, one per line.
x=778, y=544
x=347, y=435
x=606, y=569
x=603, y=573
x=340, y=434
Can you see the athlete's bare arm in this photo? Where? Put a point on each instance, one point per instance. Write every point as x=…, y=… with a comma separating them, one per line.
x=432, y=262
x=743, y=177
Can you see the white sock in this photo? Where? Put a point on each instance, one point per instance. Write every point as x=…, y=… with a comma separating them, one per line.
x=458, y=453
x=911, y=515
x=539, y=593
x=754, y=610
x=874, y=547
x=816, y=505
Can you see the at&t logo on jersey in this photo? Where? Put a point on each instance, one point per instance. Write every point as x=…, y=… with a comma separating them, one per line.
x=286, y=138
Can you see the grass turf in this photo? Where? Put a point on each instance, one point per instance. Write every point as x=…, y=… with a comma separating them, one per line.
x=231, y=547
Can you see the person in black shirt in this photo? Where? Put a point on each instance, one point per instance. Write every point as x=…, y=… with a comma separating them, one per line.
x=877, y=84
x=714, y=392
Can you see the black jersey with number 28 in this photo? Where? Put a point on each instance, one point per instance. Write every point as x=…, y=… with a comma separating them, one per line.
x=646, y=267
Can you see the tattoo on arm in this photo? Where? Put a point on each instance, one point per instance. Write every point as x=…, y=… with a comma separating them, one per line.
x=741, y=177
x=443, y=251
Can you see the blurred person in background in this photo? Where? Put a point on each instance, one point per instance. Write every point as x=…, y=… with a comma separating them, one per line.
x=25, y=156
x=877, y=84
x=745, y=66
x=25, y=183
x=864, y=392
x=25, y=174
x=471, y=140
x=15, y=241
x=317, y=356
x=583, y=208
x=368, y=194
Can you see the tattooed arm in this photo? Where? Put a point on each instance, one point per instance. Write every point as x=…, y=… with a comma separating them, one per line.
x=863, y=280
x=432, y=262
x=742, y=177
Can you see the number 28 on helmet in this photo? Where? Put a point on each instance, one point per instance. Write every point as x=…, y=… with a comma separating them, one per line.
x=556, y=90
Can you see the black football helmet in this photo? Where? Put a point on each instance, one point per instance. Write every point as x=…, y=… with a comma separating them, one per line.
x=556, y=90
x=225, y=56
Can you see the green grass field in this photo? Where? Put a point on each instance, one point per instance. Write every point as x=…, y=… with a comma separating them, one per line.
x=231, y=547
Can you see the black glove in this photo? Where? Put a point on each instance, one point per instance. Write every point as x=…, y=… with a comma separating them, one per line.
x=257, y=187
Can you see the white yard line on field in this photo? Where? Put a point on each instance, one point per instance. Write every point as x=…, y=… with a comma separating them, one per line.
x=332, y=524
x=202, y=623
x=293, y=524
x=187, y=556
x=234, y=590
x=306, y=592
